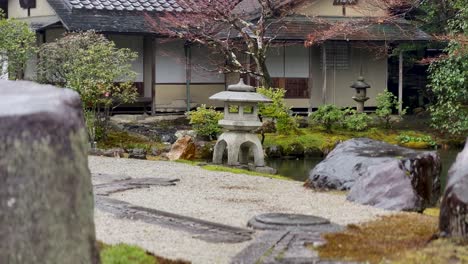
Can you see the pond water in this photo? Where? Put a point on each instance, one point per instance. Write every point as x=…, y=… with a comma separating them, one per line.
x=298, y=169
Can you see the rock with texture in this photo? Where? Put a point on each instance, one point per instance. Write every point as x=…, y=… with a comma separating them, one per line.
x=380, y=174
x=46, y=200
x=137, y=153
x=112, y=153
x=204, y=149
x=454, y=208
x=274, y=151
x=183, y=148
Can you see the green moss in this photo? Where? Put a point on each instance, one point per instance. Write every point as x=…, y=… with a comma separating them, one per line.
x=125, y=254
x=432, y=212
x=241, y=171
x=125, y=140
x=232, y=170
x=438, y=251
x=376, y=241
x=128, y=254
x=317, y=138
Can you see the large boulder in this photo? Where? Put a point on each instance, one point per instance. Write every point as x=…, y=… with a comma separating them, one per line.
x=46, y=197
x=380, y=174
x=184, y=148
x=454, y=208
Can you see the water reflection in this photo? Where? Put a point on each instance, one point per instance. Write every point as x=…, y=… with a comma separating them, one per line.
x=298, y=169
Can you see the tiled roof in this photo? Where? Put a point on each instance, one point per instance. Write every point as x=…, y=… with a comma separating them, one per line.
x=297, y=28
x=300, y=27
x=128, y=5
x=344, y=2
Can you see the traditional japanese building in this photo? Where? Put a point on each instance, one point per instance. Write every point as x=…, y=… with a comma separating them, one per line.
x=172, y=74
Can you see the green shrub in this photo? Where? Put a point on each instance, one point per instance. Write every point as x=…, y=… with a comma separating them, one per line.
x=17, y=45
x=205, y=121
x=327, y=116
x=90, y=64
x=416, y=141
x=386, y=103
x=356, y=121
x=125, y=254
x=278, y=111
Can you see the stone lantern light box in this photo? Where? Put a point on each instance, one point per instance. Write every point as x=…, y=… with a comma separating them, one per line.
x=361, y=93
x=240, y=120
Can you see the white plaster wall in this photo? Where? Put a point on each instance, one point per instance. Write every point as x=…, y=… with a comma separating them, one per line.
x=275, y=61
x=170, y=61
x=134, y=43
x=42, y=9
x=288, y=61
x=297, y=61
x=326, y=8
x=205, y=65
x=374, y=70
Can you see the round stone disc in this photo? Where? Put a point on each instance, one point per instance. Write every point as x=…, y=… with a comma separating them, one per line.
x=291, y=219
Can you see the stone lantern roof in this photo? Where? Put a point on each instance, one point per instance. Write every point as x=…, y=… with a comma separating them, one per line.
x=240, y=93
x=360, y=84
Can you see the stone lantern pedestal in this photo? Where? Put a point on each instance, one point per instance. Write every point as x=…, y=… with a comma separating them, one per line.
x=361, y=94
x=240, y=119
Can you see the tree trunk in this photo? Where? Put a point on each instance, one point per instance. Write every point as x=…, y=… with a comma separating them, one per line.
x=263, y=71
x=324, y=74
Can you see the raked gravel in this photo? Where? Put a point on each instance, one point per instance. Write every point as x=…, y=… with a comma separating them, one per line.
x=221, y=197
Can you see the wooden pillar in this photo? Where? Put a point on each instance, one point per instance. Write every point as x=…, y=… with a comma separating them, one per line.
x=188, y=72
x=400, y=83
x=149, y=75
x=309, y=82
x=324, y=73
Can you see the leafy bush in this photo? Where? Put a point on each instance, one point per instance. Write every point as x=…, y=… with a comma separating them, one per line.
x=356, y=121
x=327, y=116
x=278, y=111
x=205, y=121
x=386, y=103
x=449, y=82
x=17, y=45
x=416, y=141
x=90, y=64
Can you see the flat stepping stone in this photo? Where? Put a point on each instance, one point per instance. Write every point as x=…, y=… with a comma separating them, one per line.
x=291, y=219
x=279, y=221
x=200, y=229
x=108, y=188
x=287, y=246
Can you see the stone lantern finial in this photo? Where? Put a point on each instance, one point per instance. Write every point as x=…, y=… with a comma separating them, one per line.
x=241, y=87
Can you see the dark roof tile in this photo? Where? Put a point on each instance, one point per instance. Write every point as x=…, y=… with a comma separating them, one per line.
x=128, y=5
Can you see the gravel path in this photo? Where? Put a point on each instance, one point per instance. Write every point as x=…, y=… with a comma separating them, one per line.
x=221, y=197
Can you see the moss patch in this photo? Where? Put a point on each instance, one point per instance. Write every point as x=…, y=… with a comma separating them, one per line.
x=376, y=241
x=125, y=140
x=317, y=138
x=127, y=254
x=241, y=171
x=432, y=212
x=438, y=251
x=232, y=170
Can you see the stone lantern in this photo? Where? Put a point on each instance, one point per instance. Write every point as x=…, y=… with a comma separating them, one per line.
x=240, y=120
x=361, y=86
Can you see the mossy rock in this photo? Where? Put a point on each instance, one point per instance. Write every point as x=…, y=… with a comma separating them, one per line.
x=295, y=149
x=204, y=150
x=417, y=145
x=313, y=152
x=275, y=151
